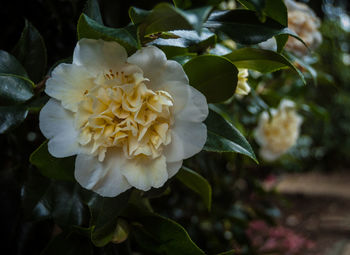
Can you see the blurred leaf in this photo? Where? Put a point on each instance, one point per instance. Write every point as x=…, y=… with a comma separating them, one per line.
x=55, y=168
x=214, y=76
x=10, y=65
x=15, y=89
x=31, y=52
x=260, y=60
x=127, y=37
x=165, y=17
x=92, y=10
x=11, y=116
x=224, y=137
x=197, y=183
x=160, y=235
x=68, y=244
x=104, y=216
x=188, y=39
x=243, y=26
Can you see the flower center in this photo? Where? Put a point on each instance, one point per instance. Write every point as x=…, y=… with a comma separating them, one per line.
x=120, y=111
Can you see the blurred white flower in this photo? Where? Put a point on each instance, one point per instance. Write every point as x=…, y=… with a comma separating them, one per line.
x=242, y=88
x=277, y=134
x=303, y=21
x=130, y=120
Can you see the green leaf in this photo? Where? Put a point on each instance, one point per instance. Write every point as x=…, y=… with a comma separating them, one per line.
x=224, y=137
x=165, y=17
x=197, y=183
x=11, y=116
x=277, y=10
x=127, y=37
x=49, y=166
x=10, y=65
x=138, y=15
x=104, y=216
x=68, y=244
x=243, y=26
x=15, y=89
x=214, y=76
x=31, y=52
x=263, y=61
x=186, y=4
x=231, y=252
x=45, y=198
x=92, y=10
x=256, y=5
x=188, y=39
x=160, y=235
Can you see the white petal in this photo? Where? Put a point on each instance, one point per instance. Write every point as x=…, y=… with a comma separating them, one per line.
x=268, y=155
x=97, y=55
x=187, y=139
x=146, y=173
x=196, y=108
x=69, y=83
x=105, y=178
x=57, y=124
x=173, y=168
x=157, y=68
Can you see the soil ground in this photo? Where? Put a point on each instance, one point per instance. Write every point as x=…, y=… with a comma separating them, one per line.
x=319, y=209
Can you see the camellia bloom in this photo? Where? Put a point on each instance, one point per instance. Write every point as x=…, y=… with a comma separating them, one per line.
x=242, y=88
x=130, y=120
x=303, y=21
x=278, y=134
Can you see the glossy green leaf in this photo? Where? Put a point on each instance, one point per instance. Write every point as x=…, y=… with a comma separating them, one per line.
x=263, y=61
x=224, y=137
x=127, y=37
x=104, y=216
x=186, y=4
x=10, y=65
x=58, y=200
x=188, y=39
x=257, y=5
x=160, y=235
x=197, y=183
x=165, y=17
x=277, y=10
x=243, y=26
x=15, y=89
x=92, y=10
x=214, y=76
x=55, y=168
x=11, y=116
x=31, y=52
x=68, y=244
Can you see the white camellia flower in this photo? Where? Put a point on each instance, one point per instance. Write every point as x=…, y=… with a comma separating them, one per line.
x=243, y=87
x=303, y=21
x=280, y=133
x=130, y=120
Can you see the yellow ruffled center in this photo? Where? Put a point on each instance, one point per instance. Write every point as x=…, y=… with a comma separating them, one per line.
x=120, y=111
